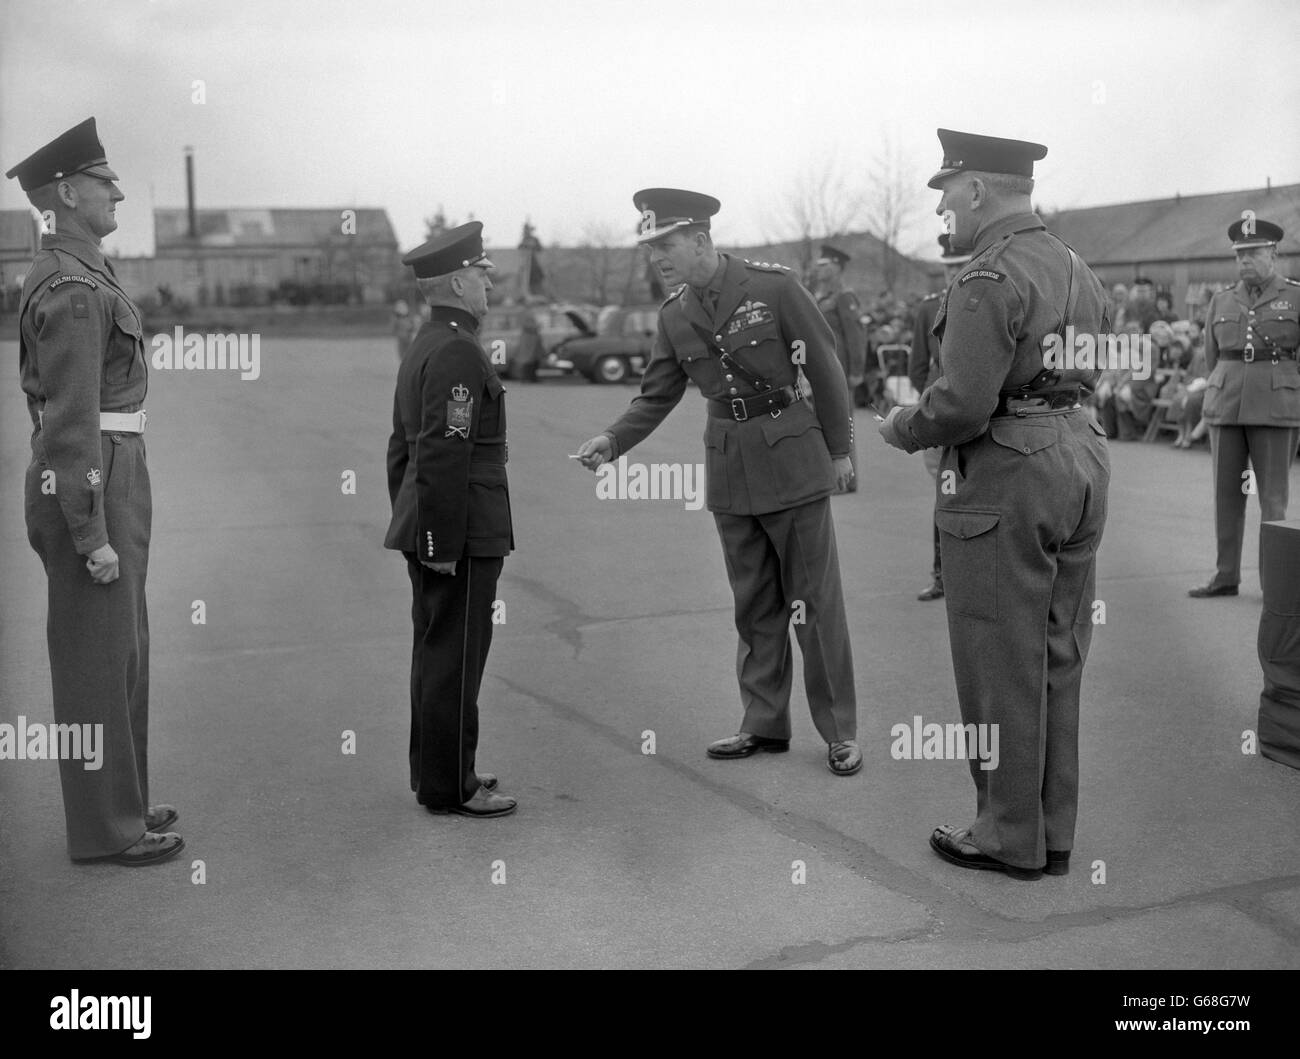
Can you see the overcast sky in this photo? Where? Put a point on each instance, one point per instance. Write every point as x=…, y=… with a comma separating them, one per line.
x=560, y=111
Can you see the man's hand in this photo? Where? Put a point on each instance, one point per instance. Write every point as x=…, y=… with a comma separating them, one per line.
x=888, y=429
x=843, y=472
x=102, y=564
x=595, y=451
x=440, y=568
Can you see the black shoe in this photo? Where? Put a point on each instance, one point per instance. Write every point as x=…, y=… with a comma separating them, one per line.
x=947, y=840
x=935, y=591
x=1058, y=862
x=1205, y=591
x=844, y=758
x=484, y=803
x=742, y=744
x=160, y=817
x=151, y=849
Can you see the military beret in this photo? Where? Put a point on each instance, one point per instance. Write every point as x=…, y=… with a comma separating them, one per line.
x=76, y=151
x=950, y=256
x=986, y=154
x=449, y=252
x=834, y=255
x=664, y=210
x=1264, y=233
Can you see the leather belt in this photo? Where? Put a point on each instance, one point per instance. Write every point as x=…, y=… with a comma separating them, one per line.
x=1250, y=355
x=112, y=422
x=1035, y=403
x=742, y=408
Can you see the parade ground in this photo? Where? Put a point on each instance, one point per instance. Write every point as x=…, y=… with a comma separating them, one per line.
x=279, y=717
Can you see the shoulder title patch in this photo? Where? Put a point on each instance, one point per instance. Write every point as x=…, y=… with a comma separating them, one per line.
x=75, y=279
x=982, y=273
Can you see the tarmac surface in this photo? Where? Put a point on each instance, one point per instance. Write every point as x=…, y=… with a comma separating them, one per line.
x=617, y=624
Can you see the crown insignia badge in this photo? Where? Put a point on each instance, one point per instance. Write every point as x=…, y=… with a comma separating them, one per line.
x=459, y=393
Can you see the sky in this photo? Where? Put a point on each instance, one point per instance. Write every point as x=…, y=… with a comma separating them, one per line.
x=559, y=112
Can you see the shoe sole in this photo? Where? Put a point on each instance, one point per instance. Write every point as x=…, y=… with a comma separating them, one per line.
x=846, y=772
x=471, y=813
x=1195, y=594
x=1023, y=874
x=776, y=748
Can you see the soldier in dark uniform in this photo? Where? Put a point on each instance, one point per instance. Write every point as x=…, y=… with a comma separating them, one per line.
x=1252, y=396
x=88, y=501
x=1021, y=502
x=740, y=330
x=843, y=313
x=451, y=518
x=923, y=369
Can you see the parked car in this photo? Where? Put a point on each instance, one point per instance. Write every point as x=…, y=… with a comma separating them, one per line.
x=618, y=351
x=530, y=333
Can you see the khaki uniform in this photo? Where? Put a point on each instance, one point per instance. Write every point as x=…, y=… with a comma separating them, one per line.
x=81, y=352
x=1019, y=534
x=1253, y=408
x=768, y=480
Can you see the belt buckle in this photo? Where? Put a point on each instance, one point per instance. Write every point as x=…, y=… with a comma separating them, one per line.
x=1248, y=354
x=143, y=419
x=743, y=413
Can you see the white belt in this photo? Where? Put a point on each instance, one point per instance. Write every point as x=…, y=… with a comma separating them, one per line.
x=113, y=422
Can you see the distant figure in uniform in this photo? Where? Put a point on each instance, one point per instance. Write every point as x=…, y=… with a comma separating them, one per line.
x=405, y=326
x=88, y=503
x=924, y=369
x=1022, y=520
x=843, y=313
x=451, y=518
x=738, y=330
x=1252, y=395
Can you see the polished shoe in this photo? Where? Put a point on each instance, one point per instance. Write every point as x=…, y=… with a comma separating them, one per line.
x=1206, y=591
x=844, y=758
x=948, y=842
x=742, y=744
x=935, y=591
x=488, y=781
x=484, y=803
x=151, y=849
x=1058, y=862
x=160, y=817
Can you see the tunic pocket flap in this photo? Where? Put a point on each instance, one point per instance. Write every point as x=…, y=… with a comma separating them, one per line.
x=966, y=524
x=1285, y=377
x=792, y=422
x=494, y=386
x=1023, y=435
x=125, y=319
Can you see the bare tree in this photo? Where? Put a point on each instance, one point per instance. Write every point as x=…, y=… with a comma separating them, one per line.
x=820, y=203
x=893, y=200
x=607, y=264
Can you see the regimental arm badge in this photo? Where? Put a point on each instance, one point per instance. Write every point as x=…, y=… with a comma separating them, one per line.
x=460, y=412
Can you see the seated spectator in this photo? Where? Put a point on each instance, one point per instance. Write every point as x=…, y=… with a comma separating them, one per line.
x=1189, y=400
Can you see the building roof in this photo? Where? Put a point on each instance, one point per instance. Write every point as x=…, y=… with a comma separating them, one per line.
x=274, y=227
x=1181, y=228
x=20, y=232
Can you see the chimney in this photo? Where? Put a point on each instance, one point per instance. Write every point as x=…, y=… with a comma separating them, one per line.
x=189, y=195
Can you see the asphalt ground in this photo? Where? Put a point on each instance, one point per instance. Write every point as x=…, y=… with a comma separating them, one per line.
x=618, y=623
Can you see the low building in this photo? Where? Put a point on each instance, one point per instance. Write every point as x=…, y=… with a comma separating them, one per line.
x=20, y=236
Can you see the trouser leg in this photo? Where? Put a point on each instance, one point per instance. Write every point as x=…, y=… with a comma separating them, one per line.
x=804, y=541
x=763, y=656
x=1228, y=457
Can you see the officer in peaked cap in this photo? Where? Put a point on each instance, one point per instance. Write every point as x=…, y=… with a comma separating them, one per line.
x=1252, y=396
x=923, y=369
x=741, y=330
x=843, y=313
x=451, y=518
x=87, y=499
x=1021, y=501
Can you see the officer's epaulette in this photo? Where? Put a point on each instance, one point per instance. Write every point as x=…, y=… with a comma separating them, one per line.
x=677, y=293
x=993, y=252
x=766, y=266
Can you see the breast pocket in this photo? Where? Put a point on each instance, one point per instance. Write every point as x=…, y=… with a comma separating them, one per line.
x=968, y=541
x=1228, y=330
x=124, y=359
